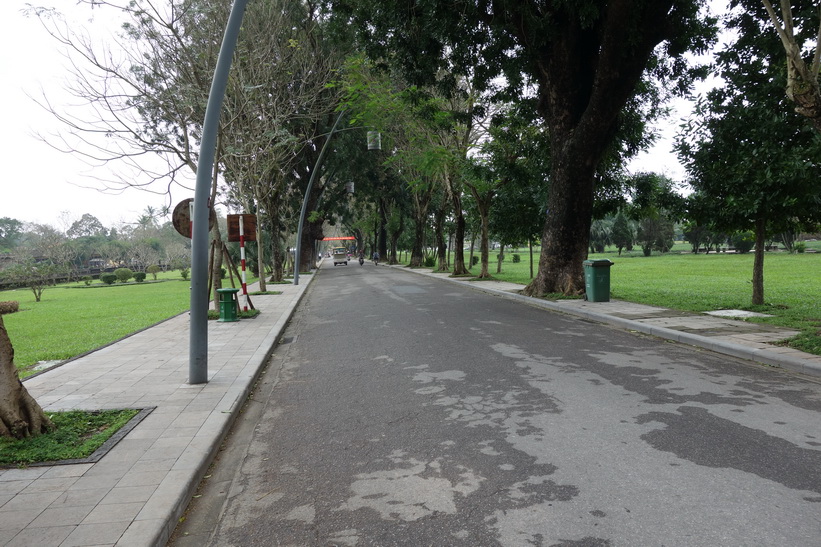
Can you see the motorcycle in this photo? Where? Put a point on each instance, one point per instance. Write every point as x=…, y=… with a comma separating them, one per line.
x=361, y=261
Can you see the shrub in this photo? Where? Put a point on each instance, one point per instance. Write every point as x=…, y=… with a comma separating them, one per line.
x=139, y=277
x=184, y=273
x=108, y=278
x=154, y=269
x=10, y=306
x=743, y=241
x=517, y=258
x=474, y=260
x=799, y=246
x=430, y=262
x=87, y=279
x=223, y=273
x=123, y=274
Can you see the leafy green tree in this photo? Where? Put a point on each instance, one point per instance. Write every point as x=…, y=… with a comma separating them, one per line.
x=748, y=154
x=34, y=274
x=88, y=225
x=622, y=234
x=655, y=233
x=583, y=60
x=11, y=231
x=600, y=235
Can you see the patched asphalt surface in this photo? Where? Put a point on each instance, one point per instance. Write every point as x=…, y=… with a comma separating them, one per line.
x=401, y=410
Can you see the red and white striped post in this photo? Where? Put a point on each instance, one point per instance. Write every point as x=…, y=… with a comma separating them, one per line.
x=242, y=261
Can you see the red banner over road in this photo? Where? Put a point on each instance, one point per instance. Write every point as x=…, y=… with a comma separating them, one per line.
x=337, y=238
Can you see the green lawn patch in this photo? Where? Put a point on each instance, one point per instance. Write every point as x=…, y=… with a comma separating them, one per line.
x=67, y=323
x=77, y=436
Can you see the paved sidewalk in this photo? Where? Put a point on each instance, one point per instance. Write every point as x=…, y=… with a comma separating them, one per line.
x=136, y=493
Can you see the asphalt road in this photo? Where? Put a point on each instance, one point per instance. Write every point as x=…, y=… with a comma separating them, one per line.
x=401, y=410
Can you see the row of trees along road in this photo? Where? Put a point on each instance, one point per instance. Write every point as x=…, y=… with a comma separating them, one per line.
x=477, y=87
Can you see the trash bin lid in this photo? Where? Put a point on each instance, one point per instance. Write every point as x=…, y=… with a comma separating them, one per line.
x=599, y=263
x=228, y=290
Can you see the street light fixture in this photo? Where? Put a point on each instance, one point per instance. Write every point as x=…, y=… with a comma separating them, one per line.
x=198, y=337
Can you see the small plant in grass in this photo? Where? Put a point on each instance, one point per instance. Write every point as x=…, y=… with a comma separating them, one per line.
x=184, y=273
x=154, y=269
x=799, y=246
x=87, y=279
x=517, y=258
x=257, y=293
x=213, y=314
x=123, y=274
x=77, y=435
x=108, y=278
x=139, y=277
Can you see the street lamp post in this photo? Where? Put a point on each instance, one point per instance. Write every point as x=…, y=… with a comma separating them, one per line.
x=198, y=337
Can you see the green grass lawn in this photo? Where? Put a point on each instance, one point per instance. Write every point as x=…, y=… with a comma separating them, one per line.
x=72, y=319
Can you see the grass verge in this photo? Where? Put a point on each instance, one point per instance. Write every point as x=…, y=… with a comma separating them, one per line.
x=77, y=435
x=67, y=323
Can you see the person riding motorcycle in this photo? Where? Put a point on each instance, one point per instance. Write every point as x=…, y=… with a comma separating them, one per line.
x=376, y=257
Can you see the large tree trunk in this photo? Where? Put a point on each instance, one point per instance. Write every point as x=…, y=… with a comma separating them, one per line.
x=566, y=229
x=459, y=243
x=441, y=245
x=758, y=262
x=417, y=259
x=20, y=415
x=260, y=249
x=586, y=76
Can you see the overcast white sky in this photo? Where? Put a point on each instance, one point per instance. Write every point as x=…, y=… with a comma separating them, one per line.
x=41, y=184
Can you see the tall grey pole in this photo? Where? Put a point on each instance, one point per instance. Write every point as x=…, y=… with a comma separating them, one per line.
x=198, y=341
x=315, y=170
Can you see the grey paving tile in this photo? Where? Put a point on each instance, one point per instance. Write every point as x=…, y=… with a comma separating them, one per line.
x=74, y=470
x=98, y=481
x=95, y=534
x=32, y=502
x=87, y=496
x=50, y=485
x=144, y=478
x=11, y=488
x=128, y=494
x=141, y=533
x=41, y=537
x=65, y=515
x=7, y=535
x=114, y=512
x=16, y=520
x=30, y=473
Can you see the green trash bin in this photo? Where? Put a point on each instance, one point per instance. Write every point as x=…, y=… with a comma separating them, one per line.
x=597, y=280
x=228, y=305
